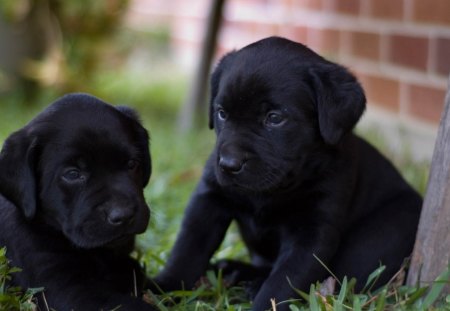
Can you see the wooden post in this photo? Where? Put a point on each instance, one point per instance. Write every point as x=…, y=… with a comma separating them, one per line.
x=432, y=249
x=195, y=104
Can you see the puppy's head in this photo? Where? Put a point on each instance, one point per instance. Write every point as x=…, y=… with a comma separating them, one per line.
x=80, y=167
x=275, y=106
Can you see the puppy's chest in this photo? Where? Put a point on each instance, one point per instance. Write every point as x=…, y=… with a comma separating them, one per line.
x=263, y=223
x=262, y=236
x=261, y=241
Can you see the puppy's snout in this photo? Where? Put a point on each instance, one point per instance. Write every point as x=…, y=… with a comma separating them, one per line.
x=120, y=216
x=231, y=165
x=231, y=160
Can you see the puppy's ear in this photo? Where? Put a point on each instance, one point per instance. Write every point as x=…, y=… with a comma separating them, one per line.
x=144, y=147
x=216, y=76
x=17, y=171
x=340, y=101
x=143, y=142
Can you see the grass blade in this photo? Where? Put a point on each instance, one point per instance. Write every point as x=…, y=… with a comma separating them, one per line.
x=326, y=268
x=313, y=303
x=299, y=292
x=356, y=303
x=373, y=277
x=436, y=289
x=381, y=300
x=416, y=295
x=343, y=291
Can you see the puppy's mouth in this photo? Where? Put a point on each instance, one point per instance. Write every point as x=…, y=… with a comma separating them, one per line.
x=254, y=179
x=121, y=242
x=86, y=241
x=101, y=235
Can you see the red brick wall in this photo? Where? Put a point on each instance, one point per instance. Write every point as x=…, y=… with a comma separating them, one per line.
x=399, y=49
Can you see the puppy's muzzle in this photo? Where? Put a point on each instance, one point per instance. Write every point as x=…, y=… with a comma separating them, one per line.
x=118, y=216
x=231, y=159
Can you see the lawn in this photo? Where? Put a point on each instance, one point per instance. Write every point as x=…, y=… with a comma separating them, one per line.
x=178, y=159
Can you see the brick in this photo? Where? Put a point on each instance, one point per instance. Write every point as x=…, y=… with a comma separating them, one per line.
x=432, y=11
x=308, y=4
x=408, y=51
x=351, y=7
x=241, y=27
x=365, y=45
x=381, y=91
x=387, y=9
x=295, y=33
x=287, y=4
x=323, y=40
x=263, y=30
x=426, y=103
x=443, y=56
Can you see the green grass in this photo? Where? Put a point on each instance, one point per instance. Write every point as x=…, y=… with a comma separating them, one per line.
x=178, y=160
x=13, y=298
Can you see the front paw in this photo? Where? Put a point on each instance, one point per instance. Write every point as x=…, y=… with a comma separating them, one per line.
x=233, y=271
x=240, y=273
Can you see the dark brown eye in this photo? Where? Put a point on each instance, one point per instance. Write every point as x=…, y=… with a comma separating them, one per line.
x=274, y=119
x=72, y=175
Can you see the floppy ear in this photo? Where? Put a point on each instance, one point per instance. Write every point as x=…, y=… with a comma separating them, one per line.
x=143, y=145
x=17, y=171
x=223, y=64
x=340, y=101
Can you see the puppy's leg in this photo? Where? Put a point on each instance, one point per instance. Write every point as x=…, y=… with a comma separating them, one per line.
x=296, y=265
x=384, y=238
x=236, y=272
x=203, y=229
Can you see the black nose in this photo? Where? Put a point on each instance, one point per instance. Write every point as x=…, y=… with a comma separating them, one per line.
x=120, y=216
x=231, y=164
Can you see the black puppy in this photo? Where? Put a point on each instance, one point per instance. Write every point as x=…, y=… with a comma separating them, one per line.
x=71, y=203
x=288, y=169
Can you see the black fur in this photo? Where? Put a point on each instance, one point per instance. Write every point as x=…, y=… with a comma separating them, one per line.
x=71, y=203
x=299, y=183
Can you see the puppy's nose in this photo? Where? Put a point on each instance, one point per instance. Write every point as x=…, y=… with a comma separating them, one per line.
x=120, y=216
x=231, y=164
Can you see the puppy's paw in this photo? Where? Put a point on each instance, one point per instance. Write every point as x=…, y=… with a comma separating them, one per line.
x=252, y=287
x=235, y=272
x=238, y=273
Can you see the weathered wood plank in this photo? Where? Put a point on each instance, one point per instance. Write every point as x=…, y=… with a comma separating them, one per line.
x=432, y=249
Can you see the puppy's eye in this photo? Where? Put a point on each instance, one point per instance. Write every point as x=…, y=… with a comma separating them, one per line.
x=132, y=164
x=274, y=119
x=73, y=175
x=222, y=114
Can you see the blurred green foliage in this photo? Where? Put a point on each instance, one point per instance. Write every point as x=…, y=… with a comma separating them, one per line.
x=61, y=43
